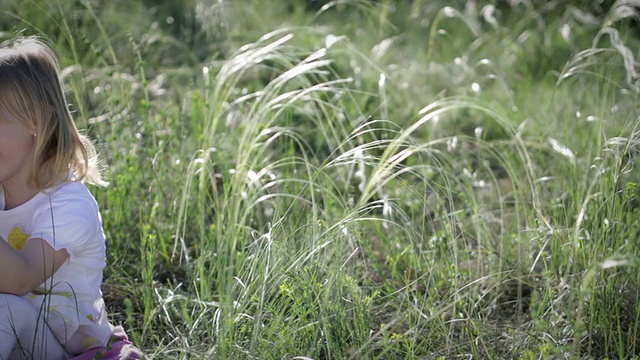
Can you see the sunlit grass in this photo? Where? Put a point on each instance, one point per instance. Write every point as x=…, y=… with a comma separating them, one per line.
x=357, y=180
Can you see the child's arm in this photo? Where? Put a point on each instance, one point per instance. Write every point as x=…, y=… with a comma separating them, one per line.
x=24, y=270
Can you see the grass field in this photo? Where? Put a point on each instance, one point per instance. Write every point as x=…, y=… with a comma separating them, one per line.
x=361, y=179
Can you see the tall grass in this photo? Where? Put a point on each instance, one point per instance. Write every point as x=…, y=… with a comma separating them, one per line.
x=356, y=180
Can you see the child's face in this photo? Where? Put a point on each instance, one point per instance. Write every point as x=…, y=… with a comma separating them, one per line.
x=16, y=153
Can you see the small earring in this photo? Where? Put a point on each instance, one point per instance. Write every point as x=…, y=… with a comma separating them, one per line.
x=34, y=134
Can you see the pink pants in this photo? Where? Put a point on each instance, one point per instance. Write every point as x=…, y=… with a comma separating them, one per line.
x=119, y=348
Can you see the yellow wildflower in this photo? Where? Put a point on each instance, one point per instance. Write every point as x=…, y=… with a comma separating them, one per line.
x=17, y=238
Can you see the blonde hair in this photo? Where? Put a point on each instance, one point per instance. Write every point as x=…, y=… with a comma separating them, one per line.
x=32, y=93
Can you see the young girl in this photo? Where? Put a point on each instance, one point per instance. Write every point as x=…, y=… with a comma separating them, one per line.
x=52, y=250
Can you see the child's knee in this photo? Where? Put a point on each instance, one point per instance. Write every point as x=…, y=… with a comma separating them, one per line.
x=16, y=315
x=15, y=305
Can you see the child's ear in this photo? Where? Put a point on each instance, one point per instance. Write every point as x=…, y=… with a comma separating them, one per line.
x=33, y=129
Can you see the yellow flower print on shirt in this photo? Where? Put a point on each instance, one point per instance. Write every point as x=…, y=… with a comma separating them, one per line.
x=17, y=238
